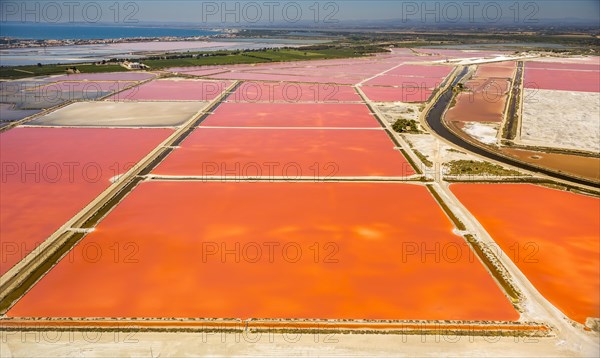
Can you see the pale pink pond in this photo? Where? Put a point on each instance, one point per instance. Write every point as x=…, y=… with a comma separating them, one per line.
x=108, y=76
x=87, y=86
x=249, y=114
x=399, y=81
x=390, y=94
x=174, y=90
x=421, y=70
x=293, y=92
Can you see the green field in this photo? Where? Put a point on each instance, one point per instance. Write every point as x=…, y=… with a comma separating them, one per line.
x=200, y=59
x=241, y=57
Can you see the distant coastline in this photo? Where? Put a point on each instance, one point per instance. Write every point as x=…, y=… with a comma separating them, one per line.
x=33, y=31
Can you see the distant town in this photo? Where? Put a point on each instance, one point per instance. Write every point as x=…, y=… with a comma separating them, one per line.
x=10, y=43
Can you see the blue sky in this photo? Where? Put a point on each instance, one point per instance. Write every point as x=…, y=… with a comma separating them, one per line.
x=232, y=12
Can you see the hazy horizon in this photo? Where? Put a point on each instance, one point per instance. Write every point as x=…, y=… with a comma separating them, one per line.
x=317, y=13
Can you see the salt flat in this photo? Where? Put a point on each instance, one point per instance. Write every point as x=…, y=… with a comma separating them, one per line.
x=121, y=114
x=561, y=119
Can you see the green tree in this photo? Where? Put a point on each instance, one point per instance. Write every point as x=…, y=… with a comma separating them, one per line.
x=403, y=125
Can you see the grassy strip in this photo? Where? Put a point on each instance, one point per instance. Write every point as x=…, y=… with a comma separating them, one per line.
x=471, y=167
x=414, y=165
x=406, y=156
x=201, y=61
x=564, y=151
x=338, y=326
x=571, y=188
x=455, y=220
x=291, y=180
x=456, y=90
x=411, y=162
x=110, y=204
x=530, y=180
x=497, y=270
x=489, y=260
x=423, y=158
x=123, y=329
x=509, y=131
x=467, y=331
x=452, y=150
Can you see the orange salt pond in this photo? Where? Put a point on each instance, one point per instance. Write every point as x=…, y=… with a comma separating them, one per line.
x=551, y=235
x=477, y=107
x=574, y=165
x=486, y=99
x=271, y=250
x=491, y=88
x=50, y=174
x=289, y=153
x=497, y=70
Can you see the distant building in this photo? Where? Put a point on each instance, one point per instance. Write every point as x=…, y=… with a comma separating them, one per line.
x=134, y=65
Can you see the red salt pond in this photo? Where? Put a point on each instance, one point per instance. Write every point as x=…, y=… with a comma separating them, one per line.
x=565, y=80
x=49, y=174
x=289, y=153
x=249, y=76
x=551, y=235
x=292, y=115
x=174, y=90
x=271, y=250
x=293, y=92
x=387, y=94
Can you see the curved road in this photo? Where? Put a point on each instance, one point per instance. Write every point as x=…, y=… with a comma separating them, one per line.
x=434, y=120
